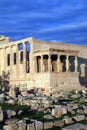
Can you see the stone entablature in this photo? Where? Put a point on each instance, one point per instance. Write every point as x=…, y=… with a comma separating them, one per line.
x=44, y=64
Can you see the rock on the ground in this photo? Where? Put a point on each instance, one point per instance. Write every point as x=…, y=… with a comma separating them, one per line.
x=68, y=120
x=2, y=96
x=57, y=112
x=31, y=126
x=48, y=125
x=79, y=117
x=9, y=113
x=21, y=125
x=11, y=127
x=38, y=125
x=1, y=116
x=59, y=123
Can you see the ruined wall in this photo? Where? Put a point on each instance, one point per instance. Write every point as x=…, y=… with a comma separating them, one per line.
x=17, y=71
x=42, y=80
x=45, y=79
x=64, y=81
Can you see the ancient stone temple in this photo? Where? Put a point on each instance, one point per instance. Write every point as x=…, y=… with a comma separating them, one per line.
x=48, y=65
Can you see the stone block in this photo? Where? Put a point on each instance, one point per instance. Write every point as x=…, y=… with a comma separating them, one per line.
x=38, y=125
x=68, y=120
x=11, y=127
x=31, y=126
x=79, y=117
x=21, y=125
x=59, y=123
x=1, y=116
x=57, y=112
x=48, y=125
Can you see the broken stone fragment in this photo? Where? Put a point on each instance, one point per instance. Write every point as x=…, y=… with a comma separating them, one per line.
x=1, y=116
x=9, y=113
x=11, y=127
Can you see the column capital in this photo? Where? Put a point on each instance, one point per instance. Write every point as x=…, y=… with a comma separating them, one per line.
x=76, y=57
x=67, y=56
x=49, y=56
x=41, y=56
x=59, y=54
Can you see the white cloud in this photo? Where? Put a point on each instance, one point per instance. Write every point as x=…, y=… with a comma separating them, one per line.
x=43, y=16
x=62, y=27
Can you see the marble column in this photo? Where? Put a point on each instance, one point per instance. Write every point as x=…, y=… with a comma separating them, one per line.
x=58, y=63
x=24, y=58
x=5, y=59
x=17, y=60
x=67, y=63
x=41, y=63
x=49, y=63
x=35, y=64
x=11, y=61
x=76, y=64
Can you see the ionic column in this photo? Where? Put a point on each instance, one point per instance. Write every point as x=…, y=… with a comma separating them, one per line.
x=49, y=63
x=58, y=63
x=24, y=58
x=41, y=63
x=17, y=60
x=67, y=63
x=76, y=64
x=5, y=59
x=11, y=61
x=35, y=62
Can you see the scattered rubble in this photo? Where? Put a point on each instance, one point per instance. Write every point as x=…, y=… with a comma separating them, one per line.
x=56, y=111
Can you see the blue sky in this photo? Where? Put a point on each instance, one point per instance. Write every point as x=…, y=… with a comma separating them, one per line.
x=56, y=20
